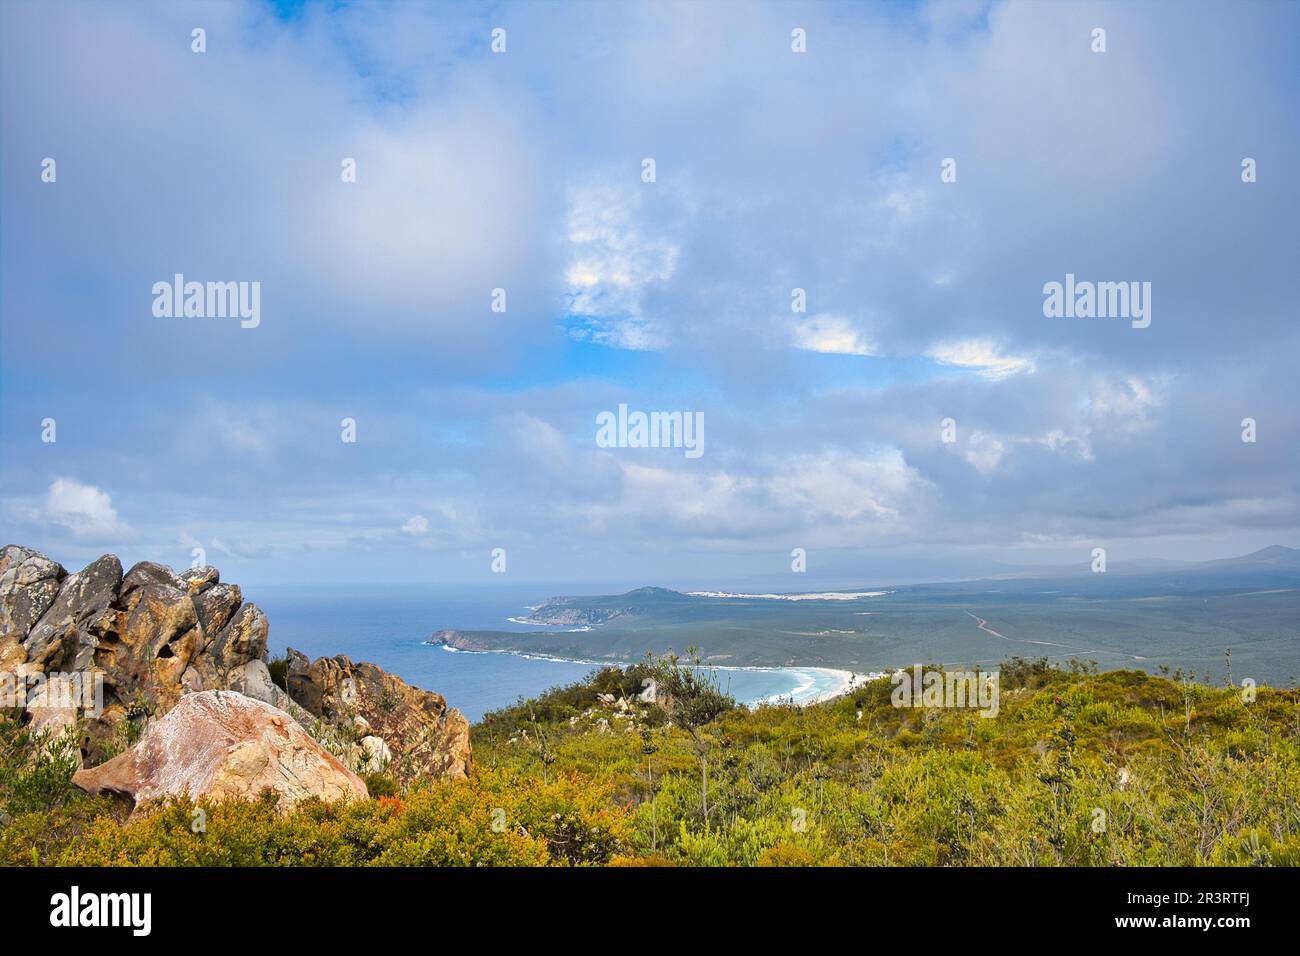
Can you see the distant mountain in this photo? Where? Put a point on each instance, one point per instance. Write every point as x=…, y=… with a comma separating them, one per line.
x=595, y=611
x=1268, y=567
x=1084, y=567
x=1274, y=556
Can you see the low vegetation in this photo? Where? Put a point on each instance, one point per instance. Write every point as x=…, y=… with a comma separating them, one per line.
x=651, y=765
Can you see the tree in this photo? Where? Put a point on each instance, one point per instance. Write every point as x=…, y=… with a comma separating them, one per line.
x=648, y=748
x=692, y=698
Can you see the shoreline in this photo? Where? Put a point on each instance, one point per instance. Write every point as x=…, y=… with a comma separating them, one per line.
x=844, y=681
x=804, y=693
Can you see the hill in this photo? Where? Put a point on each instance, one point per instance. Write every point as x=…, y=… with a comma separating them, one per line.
x=1185, y=616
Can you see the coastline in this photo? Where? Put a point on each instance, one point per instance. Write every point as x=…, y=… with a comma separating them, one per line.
x=814, y=685
x=840, y=683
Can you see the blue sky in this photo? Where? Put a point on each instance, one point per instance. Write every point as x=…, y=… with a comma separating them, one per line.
x=522, y=170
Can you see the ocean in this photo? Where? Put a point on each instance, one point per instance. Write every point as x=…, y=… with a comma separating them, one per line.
x=388, y=627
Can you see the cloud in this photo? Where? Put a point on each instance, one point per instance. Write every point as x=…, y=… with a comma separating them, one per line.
x=1126, y=403
x=872, y=489
x=826, y=499
x=444, y=207
x=522, y=172
x=416, y=524
x=982, y=356
x=832, y=334
x=82, y=509
x=612, y=264
x=984, y=451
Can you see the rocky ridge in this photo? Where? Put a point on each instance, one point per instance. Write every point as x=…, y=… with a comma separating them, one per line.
x=156, y=637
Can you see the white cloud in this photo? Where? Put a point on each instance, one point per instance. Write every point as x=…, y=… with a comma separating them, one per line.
x=416, y=524
x=838, y=486
x=829, y=496
x=1060, y=441
x=984, y=451
x=611, y=264
x=1126, y=403
x=833, y=334
x=981, y=356
x=82, y=509
x=682, y=497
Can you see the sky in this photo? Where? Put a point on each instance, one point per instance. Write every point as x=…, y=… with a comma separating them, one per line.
x=524, y=170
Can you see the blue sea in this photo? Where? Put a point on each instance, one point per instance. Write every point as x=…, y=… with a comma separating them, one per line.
x=388, y=627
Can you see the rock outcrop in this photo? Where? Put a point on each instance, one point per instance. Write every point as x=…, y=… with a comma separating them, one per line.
x=150, y=635
x=29, y=583
x=154, y=638
x=413, y=729
x=66, y=636
x=224, y=745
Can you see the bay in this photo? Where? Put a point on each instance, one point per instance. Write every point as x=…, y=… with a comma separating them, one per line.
x=390, y=627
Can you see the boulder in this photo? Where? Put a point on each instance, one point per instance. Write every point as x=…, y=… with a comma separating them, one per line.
x=159, y=639
x=224, y=745
x=321, y=687
x=67, y=635
x=377, y=753
x=254, y=680
x=427, y=738
x=200, y=579
x=217, y=605
x=243, y=639
x=29, y=583
x=144, y=575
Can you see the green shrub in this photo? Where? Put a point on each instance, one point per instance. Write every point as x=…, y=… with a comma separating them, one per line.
x=35, y=768
x=279, y=668
x=1077, y=769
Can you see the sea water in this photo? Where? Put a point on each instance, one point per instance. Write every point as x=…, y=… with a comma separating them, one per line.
x=389, y=627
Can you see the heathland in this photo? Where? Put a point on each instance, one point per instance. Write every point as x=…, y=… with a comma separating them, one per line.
x=1078, y=768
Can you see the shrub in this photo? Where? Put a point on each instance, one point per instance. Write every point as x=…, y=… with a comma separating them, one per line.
x=814, y=785
x=35, y=768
